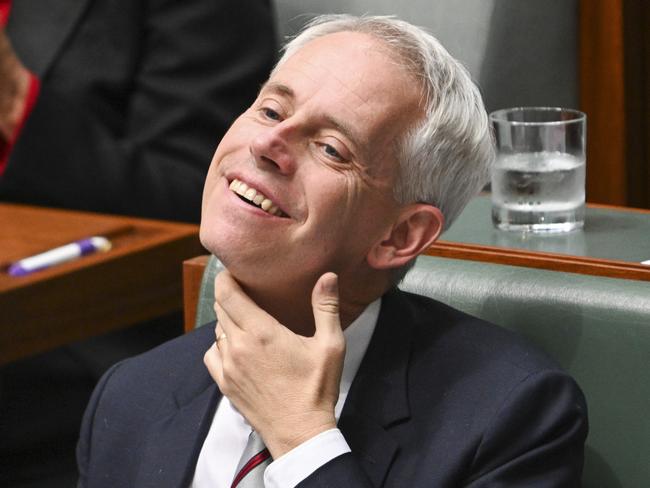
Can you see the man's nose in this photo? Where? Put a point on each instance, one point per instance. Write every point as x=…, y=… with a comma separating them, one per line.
x=271, y=147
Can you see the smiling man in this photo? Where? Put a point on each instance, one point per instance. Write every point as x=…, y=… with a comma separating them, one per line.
x=366, y=138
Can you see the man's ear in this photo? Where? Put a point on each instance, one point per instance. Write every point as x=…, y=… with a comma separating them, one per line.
x=416, y=228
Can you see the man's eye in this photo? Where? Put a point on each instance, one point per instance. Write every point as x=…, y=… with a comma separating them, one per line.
x=331, y=152
x=270, y=113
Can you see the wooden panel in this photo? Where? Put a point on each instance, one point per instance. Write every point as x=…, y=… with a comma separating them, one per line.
x=192, y=275
x=139, y=279
x=636, y=15
x=602, y=98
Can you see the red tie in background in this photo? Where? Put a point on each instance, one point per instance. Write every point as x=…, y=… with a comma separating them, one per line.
x=32, y=94
x=5, y=6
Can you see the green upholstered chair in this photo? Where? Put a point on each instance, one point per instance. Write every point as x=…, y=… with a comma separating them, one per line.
x=597, y=328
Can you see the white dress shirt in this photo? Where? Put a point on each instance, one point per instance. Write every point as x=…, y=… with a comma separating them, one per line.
x=229, y=431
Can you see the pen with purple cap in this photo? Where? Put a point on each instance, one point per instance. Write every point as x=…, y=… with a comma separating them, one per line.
x=59, y=255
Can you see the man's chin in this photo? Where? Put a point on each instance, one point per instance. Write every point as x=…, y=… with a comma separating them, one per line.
x=248, y=270
x=263, y=275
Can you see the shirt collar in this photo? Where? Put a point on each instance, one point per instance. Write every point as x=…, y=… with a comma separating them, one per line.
x=357, y=337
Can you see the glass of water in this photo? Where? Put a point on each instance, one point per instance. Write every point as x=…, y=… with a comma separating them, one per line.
x=538, y=179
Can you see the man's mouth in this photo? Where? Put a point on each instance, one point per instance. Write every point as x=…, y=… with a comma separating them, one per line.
x=256, y=198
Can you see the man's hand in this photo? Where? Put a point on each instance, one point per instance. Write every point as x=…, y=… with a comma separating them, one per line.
x=14, y=83
x=284, y=384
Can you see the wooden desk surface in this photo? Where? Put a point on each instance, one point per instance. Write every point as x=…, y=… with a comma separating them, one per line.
x=140, y=278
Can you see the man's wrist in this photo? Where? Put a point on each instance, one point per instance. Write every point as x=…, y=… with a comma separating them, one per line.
x=282, y=440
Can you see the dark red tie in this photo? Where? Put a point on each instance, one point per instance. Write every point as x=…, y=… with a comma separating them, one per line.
x=253, y=462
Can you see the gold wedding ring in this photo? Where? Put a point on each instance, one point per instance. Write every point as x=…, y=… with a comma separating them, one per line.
x=221, y=336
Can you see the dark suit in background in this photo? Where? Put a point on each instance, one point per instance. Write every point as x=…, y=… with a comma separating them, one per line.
x=441, y=399
x=135, y=96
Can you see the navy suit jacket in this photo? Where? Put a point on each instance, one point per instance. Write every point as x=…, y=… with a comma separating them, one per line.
x=135, y=96
x=441, y=399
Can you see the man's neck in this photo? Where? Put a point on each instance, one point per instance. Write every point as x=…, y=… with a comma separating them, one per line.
x=293, y=308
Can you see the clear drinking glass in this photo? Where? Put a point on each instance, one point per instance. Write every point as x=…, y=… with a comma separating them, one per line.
x=538, y=179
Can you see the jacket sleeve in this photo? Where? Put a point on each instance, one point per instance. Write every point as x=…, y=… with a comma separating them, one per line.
x=197, y=64
x=537, y=438
x=341, y=471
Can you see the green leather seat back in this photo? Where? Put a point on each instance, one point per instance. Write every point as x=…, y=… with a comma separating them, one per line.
x=596, y=328
x=205, y=306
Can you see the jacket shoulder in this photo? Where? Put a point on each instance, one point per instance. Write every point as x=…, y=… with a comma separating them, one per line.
x=472, y=338
x=166, y=367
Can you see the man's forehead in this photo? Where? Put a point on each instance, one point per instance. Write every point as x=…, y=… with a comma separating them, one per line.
x=362, y=64
x=279, y=88
x=336, y=54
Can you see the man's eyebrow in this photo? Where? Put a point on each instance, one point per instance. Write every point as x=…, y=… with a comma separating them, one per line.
x=344, y=129
x=281, y=88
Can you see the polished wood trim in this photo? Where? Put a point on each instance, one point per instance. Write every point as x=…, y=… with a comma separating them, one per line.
x=602, y=97
x=192, y=276
x=541, y=260
x=636, y=19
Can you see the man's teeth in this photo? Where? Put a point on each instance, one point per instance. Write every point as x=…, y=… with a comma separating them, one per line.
x=252, y=195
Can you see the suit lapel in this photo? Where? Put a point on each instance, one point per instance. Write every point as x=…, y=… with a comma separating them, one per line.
x=378, y=397
x=173, y=443
x=39, y=28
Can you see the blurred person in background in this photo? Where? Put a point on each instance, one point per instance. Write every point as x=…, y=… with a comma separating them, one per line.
x=116, y=105
x=111, y=106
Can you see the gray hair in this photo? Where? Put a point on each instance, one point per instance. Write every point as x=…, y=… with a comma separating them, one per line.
x=445, y=159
